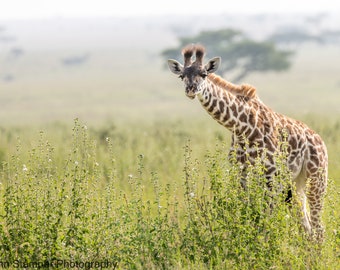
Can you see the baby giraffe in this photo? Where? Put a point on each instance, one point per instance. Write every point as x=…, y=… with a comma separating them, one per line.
x=257, y=129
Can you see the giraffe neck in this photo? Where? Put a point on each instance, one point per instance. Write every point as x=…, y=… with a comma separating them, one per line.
x=228, y=104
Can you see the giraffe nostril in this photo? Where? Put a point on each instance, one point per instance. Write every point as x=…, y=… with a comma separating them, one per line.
x=191, y=88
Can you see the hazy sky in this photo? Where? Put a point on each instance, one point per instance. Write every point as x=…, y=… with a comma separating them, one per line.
x=82, y=8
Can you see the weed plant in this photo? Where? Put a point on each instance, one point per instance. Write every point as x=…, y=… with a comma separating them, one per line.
x=80, y=201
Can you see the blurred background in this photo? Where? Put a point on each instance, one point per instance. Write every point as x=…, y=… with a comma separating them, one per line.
x=98, y=61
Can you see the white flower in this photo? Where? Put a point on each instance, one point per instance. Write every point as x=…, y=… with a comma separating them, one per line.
x=191, y=195
x=24, y=168
x=76, y=163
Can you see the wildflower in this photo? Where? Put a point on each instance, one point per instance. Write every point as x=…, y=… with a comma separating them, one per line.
x=76, y=163
x=191, y=195
x=24, y=168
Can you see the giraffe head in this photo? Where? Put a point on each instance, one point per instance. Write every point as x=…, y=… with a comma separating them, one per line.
x=193, y=74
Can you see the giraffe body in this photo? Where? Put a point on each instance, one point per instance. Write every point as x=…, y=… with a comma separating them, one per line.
x=253, y=124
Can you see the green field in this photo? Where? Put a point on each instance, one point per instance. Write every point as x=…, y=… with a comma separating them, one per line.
x=158, y=196
x=141, y=178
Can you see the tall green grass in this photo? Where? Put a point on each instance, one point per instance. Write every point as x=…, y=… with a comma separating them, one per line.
x=156, y=196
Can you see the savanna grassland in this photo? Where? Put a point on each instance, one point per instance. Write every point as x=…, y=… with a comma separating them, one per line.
x=110, y=165
x=161, y=197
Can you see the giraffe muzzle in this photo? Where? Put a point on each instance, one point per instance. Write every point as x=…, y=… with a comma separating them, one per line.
x=190, y=92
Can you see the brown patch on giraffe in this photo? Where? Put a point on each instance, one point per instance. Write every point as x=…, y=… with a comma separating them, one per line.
x=292, y=142
x=247, y=131
x=315, y=159
x=243, y=129
x=231, y=122
x=267, y=129
x=314, y=216
x=255, y=134
x=233, y=108
x=311, y=168
x=260, y=144
x=269, y=144
x=221, y=105
x=245, y=90
x=227, y=115
x=312, y=189
x=243, y=117
x=212, y=106
x=251, y=119
x=217, y=114
x=312, y=150
x=208, y=101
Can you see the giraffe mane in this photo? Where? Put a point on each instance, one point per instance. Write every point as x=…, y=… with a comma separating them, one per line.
x=245, y=90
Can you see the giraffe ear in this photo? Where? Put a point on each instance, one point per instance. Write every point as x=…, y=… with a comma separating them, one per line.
x=175, y=66
x=213, y=64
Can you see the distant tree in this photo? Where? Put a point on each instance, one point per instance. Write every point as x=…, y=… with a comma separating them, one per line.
x=294, y=36
x=239, y=53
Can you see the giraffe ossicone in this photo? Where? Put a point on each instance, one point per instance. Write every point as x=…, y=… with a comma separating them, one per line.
x=253, y=124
